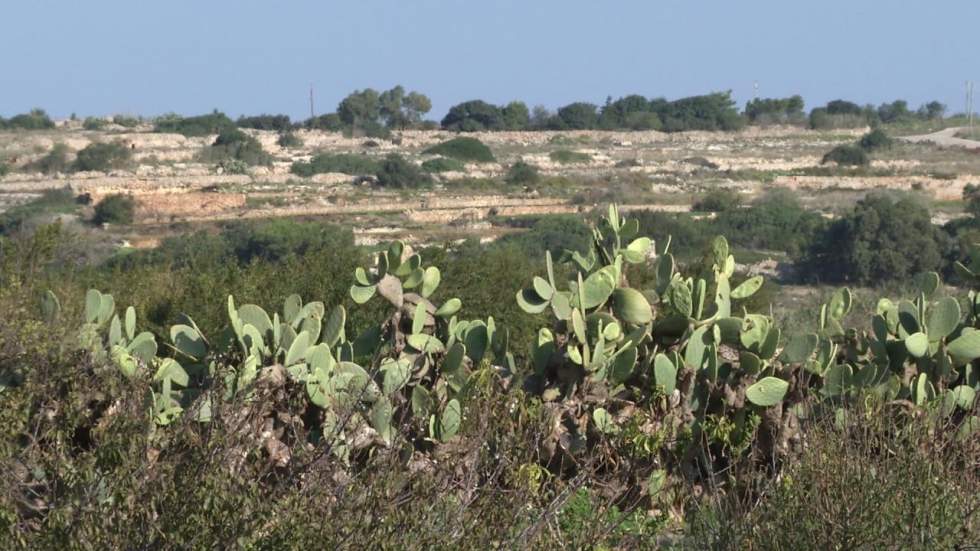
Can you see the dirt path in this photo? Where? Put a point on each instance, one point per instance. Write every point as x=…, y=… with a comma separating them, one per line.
x=946, y=137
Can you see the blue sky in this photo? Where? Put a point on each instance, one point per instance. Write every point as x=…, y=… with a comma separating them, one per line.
x=244, y=56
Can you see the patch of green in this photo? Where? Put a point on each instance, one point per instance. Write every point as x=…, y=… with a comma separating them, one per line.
x=102, y=157
x=52, y=202
x=468, y=150
x=566, y=157
x=233, y=144
x=202, y=125
x=115, y=209
x=343, y=163
x=55, y=161
x=442, y=164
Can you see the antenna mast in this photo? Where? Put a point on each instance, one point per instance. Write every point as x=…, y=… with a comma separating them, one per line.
x=312, y=113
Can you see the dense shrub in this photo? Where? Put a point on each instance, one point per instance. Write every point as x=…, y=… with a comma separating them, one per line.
x=882, y=239
x=289, y=140
x=522, y=174
x=775, y=110
x=115, y=209
x=94, y=123
x=894, y=112
x=41, y=210
x=4, y=169
x=565, y=157
x=578, y=116
x=344, y=163
x=516, y=116
x=468, y=150
x=233, y=144
x=102, y=157
x=55, y=161
x=279, y=123
x=556, y=233
x=396, y=172
x=202, y=125
x=330, y=122
x=126, y=121
x=37, y=119
x=717, y=200
x=776, y=221
x=708, y=112
x=441, y=164
x=846, y=155
x=875, y=140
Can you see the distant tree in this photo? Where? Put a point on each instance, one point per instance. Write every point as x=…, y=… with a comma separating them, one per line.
x=775, y=110
x=882, y=239
x=708, y=112
x=55, y=161
x=718, y=200
x=330, y=122
x=195, y=127
x=360, y=107
x=516, y=116
x=415, y=106
x=473, y=116
x=932, y=111
x=279, y=123
x=540, y=117
x=895, y=111
x=842, y=107
x=579, y=116
x=616, y=114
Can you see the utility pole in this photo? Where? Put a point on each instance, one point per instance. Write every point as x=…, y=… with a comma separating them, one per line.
x=312, y=113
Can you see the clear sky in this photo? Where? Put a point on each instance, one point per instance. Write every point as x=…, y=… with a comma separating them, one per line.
x=244, y=56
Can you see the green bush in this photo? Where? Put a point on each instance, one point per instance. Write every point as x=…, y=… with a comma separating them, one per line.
x=94, y=123
x=115, y=209
x=882, y=239
x=522, y=174
x=279, y=123
x=565, y=157
x=55, y=161
x=442, y=164
x=776, y=221
x=847, y=155
x=718, y=200
x=233, y=144
x=396, y=172
x=37, y=119
x=468, y=150
x=775, y=110
x=330, y=122
x=343, y=163
x=102, y=157
x=875, y=140
x=195, y=127
x=126, y=121
x=289, y=140
x=4, y=169
x=52, y=202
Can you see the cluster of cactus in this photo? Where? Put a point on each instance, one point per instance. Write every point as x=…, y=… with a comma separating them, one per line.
x=920, y=351
x=609, y=353
x=611, y=345
x=427, y=356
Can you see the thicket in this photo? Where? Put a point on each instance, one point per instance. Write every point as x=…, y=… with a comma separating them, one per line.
x=522, y=174
x=644, y=396
x=396, y=172
x=467, y=150
x=764, y=111
x=234, y=145
x=195, y=127
x=717, y=200
x=279, y=123
x=115, y=209
x=344, y=163
x=442, y=164
x=55, y=161
x=36, y=119
x=847, y=155
x=102, y=157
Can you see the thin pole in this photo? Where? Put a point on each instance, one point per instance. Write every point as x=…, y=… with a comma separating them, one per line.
x=312, y=113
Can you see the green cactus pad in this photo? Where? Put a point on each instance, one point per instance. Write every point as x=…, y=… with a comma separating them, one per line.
x=767, y=392
x=747, y=288
x=943, y=318
x=631, y=306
